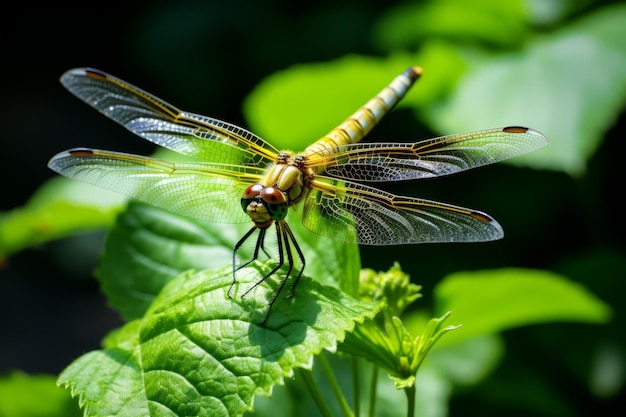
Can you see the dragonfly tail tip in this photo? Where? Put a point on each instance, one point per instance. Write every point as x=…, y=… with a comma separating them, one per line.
x=414, y=72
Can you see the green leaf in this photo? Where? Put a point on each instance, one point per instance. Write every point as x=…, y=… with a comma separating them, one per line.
x=552, y=85
x=198, y=352
x=59, y=208
x=148, y=247
x=23, y=395
x=488, y=302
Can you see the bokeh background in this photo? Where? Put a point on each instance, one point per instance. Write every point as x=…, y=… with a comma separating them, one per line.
x=208, y=57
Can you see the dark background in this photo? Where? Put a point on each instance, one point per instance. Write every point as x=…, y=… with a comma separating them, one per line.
x=205, y=57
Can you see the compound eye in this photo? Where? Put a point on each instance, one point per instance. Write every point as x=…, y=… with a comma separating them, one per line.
x=252, y=191
x=274, y=202
x=272, y=195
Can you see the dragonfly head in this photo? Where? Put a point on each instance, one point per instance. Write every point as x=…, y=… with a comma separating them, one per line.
x=264, y=205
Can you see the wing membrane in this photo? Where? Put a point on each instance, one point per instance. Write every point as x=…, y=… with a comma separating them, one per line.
x=205, y=191
x=360, y=214
x=163, y=124
x=429, y=158
x=335, y=206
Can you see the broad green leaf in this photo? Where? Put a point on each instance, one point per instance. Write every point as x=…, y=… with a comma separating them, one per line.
x=570, y=85
x=147, y=247
x=198, y=352
x=59, y=208
x=23, y=395
x=487, y=302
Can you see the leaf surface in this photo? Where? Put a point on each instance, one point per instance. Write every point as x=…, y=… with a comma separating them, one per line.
x=198, y=352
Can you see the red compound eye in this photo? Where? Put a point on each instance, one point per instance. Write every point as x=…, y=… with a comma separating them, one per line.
x=272, y=195
x=252, y=191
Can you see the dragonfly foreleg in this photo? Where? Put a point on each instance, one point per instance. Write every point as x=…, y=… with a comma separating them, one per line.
x=284, y=240
x=288, y=234
x=259, y=243
x=281, y=260
x=281, y=236
x=282, y=229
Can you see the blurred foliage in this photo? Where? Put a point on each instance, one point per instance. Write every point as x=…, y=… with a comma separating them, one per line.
x=34, y=396
x=524, y=80
x=59, y=208
x=558, y=66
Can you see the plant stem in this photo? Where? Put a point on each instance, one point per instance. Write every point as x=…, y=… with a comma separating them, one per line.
x=356, y=387
x=311, y=385
x=373, y=388
x=410, y=397
x=334, y=385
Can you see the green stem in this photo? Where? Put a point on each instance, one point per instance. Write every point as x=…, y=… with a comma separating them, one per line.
x=334, y=385
x=373, y=388
x=410, y=397
x=356, y=387
x=311, y=385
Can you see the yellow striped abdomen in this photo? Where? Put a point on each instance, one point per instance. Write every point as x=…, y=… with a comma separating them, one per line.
x=355, y=127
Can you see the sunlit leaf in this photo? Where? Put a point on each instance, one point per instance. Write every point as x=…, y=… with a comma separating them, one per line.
x=198, y=352
x=18, y=392
x=147, y=247
x=60, y=208
x=570, y=85
x=492, y=301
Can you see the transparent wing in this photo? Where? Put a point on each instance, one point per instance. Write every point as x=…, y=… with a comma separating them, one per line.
x=428, y=158
x=204, y=191
x=360, y=214
x=159, y=122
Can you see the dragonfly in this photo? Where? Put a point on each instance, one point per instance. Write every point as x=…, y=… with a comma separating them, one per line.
x=237, y=177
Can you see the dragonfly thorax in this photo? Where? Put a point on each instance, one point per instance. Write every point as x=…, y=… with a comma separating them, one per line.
x=282, y=186
x=289, y=176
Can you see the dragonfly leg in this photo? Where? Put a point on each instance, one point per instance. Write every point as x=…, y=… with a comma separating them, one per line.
x=259, y=243
x=264, y=251
x=281, y=261
x=284, y=240
x=289, y=236
x=283, y=234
